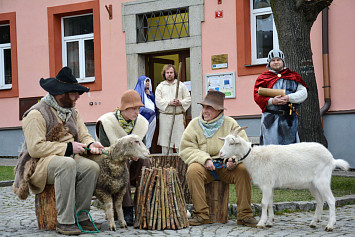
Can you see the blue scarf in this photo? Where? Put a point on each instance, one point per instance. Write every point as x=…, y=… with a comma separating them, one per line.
x=211, y=127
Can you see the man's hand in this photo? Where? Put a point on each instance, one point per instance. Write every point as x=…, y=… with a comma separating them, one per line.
x=95, y=148
x=209, y=165
x=175, y=102
x=231, y=164
x=78, y=147
x=280, y=100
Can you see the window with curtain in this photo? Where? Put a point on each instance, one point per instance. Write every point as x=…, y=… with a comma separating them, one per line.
x=78, y=46
x=5, y=58
x=263, y=31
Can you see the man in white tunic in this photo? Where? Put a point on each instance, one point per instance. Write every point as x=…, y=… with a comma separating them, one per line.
x=165, y=101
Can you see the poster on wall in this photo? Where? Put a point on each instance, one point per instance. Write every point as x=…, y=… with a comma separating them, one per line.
x=223, y=82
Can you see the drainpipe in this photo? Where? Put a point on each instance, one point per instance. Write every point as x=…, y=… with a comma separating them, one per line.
x=326, y=79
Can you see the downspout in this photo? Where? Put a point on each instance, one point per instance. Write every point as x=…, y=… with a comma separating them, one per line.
x=326, y=79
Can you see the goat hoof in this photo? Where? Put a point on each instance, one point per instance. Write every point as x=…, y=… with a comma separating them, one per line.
x=312, y=226
x=260, y=226
x=328, y=229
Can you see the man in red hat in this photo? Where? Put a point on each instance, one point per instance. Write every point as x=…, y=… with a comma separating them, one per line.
x=200, y=147
x=114, y=125
x=55, y=136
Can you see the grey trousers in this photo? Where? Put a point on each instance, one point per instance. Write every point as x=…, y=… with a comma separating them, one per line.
x=74, y=184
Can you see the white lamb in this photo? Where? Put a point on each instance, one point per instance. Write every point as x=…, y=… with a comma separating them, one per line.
x=296, y=166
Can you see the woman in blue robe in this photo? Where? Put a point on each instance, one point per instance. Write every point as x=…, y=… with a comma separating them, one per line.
x=144, y=88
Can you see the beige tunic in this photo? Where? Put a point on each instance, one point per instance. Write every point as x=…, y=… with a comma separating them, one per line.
x=34, y=129
x=164, y=93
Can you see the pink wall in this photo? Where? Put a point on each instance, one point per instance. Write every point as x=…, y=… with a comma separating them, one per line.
x=32, y=42
x=218, y=37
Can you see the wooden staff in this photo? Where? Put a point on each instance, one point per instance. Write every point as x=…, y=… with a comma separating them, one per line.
x=140, y=203
x=174, y=109
x=146, y=217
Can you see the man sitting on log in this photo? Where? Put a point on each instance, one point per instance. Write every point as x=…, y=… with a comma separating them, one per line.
x=200, y=148
x=54, y=135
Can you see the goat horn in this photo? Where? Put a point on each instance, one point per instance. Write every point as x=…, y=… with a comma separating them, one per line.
x=240, y=129
x=234, y=130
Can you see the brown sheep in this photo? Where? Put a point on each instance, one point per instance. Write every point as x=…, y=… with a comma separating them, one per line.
x=113, y=178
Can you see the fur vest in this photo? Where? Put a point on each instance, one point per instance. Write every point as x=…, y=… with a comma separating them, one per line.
x=114, y=131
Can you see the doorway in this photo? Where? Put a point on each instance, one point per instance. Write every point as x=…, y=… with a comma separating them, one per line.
x=154, y=64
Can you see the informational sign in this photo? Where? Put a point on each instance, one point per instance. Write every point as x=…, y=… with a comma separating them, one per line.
x=223, y=82
x=219, y=61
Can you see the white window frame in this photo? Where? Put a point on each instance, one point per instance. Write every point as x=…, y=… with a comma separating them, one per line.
x=3, y=86
x=253, y=14
x=81, y=39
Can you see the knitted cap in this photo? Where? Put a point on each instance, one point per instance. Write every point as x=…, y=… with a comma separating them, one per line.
x=275, y=53
x=130, y=99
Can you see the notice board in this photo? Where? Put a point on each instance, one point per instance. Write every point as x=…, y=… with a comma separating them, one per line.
x=223, y=82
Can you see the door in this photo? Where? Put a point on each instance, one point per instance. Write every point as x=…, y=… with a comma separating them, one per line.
x=154, y=66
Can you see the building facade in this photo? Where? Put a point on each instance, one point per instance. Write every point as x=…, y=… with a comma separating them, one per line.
x=109, y=44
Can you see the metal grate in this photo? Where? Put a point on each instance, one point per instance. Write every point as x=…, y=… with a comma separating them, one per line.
x=161, y=25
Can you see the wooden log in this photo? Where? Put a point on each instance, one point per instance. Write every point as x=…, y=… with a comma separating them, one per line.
x=46, y=210
x=217, y=195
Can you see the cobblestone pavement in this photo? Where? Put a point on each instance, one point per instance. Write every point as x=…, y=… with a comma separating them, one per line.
x=18, y=218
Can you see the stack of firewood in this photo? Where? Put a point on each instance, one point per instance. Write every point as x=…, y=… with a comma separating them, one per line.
x=164, y=161
x=160, y=201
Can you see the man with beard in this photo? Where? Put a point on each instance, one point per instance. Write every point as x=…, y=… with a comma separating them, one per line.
x=166, y=101
x=56, y=136
x=279, y=121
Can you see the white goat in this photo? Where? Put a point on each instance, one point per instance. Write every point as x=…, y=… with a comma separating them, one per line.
x=296, y=166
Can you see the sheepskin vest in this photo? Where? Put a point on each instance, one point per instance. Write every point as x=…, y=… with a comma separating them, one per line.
x=52, y=125
x=113, y=129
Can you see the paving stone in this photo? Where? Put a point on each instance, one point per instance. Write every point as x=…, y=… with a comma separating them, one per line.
x=18, y=218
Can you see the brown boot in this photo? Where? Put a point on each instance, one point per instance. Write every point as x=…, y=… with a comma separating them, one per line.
x=248, y=221
x=68, y=229
x=197, y=220
x=87, y=225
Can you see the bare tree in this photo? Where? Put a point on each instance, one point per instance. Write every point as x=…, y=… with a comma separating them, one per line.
x=294, y=20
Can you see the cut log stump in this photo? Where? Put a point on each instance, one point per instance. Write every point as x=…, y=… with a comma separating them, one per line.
x=46, y=210
x=217, y=195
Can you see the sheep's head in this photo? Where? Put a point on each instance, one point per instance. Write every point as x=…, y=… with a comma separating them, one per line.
x=127, y=147
x=233, y=144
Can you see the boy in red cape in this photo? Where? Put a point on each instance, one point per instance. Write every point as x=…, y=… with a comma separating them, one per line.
x=279, y=122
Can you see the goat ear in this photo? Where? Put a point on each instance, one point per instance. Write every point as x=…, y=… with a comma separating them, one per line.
x=222, y=138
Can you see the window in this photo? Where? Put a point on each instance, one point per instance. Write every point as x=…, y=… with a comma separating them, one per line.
x=263, y=31
x=78, y=46
x=5, y=58
x=75, y=41
x=161, y=25
x=8, y=56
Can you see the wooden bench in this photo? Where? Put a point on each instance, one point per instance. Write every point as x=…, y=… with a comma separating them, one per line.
x=46, y=211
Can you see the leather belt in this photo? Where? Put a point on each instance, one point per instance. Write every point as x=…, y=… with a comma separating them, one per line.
x=283, y=112
x=172, y=113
